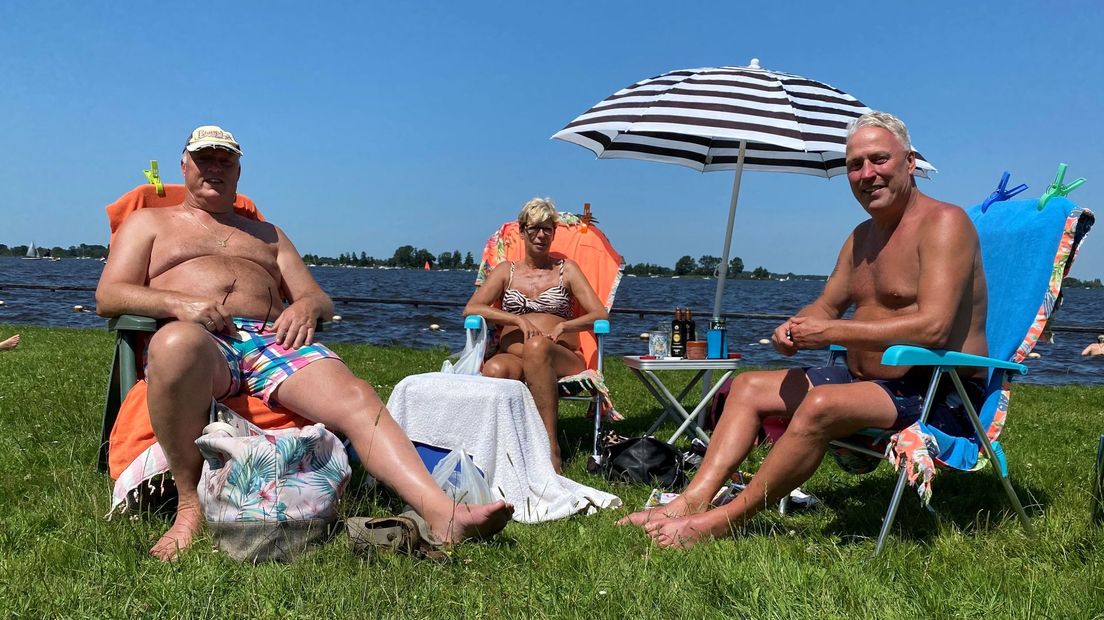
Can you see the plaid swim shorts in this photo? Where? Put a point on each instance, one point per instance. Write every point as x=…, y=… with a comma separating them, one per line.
x=257, y=363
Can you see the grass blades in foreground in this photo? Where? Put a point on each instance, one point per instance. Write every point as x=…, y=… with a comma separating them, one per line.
x=60, y=558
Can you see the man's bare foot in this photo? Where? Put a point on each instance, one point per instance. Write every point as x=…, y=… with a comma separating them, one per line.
x=468, y=521
x=185, y=526
x=10, y=343
x=685, y=532
x=682, y=505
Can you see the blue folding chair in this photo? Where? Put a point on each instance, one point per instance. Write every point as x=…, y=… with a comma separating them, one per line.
x=1027, y=247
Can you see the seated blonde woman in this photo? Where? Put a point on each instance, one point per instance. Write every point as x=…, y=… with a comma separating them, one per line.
x=532, y=301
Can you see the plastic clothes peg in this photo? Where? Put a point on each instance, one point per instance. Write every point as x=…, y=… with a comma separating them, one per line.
x=1002, y=193
x=1057, y=188
x=154, y=177
x=584, y=227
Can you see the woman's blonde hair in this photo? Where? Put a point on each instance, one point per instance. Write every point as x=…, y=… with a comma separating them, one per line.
x=538, y=211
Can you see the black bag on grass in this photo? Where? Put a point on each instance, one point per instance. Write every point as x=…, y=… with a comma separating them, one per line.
x=644, y=460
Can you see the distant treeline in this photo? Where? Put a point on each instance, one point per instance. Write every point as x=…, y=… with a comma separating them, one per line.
x=706, y=266
x=1094, y=283
x=74, y=251
x=410, y=257
x=405, y=257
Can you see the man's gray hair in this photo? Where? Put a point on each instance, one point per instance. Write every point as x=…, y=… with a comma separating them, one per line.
x=886, y=121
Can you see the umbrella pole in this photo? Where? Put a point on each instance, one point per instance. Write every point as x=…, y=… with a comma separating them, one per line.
x=722, y=269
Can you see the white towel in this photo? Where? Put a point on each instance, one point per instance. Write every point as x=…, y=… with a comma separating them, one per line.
x=497, y=423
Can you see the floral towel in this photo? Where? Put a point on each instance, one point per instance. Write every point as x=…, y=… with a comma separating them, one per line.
x=912, y=449
x=593, y=381
x=284, y=475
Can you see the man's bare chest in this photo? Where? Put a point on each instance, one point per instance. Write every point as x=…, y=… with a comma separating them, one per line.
x=183, y=241
x=886, y=277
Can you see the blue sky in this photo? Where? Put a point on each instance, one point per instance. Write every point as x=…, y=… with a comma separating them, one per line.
x=369, y=126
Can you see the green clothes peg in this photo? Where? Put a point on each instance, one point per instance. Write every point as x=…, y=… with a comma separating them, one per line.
x=154, y=177
x=1057, y=188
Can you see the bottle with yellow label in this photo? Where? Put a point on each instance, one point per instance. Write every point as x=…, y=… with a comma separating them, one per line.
x=678, y=335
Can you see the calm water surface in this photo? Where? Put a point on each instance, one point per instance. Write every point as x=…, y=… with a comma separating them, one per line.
x=386, y=324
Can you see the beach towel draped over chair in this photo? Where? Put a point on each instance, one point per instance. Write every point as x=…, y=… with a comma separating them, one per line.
x=581, y=241
x=1026, y=252
x=129, y=451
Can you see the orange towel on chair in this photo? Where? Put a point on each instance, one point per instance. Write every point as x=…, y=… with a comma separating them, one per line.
x=145, y=196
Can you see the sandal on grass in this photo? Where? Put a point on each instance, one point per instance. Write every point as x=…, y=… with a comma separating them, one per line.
x=406, y=533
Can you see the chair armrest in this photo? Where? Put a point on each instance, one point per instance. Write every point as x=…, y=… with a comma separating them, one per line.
x=133, y=323
x=907, y=355
x=137, y=323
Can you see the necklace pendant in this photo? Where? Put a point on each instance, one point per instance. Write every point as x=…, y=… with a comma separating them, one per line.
x=221, y=244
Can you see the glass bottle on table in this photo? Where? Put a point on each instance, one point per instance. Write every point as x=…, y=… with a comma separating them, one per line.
x=678, y=335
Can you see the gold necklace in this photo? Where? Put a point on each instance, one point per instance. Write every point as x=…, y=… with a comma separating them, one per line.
x=195, y=219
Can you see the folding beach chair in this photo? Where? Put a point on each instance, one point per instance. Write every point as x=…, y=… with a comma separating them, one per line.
x=128, y=449
x=577, y=238
x=1027, y=247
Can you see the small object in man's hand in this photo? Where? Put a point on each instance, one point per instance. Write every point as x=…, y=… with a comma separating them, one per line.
x=789, y=336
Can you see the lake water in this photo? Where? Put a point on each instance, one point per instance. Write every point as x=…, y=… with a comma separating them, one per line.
x=391, y=324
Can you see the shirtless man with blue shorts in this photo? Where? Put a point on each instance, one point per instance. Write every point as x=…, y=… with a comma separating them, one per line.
x=239, y=309
x=913, y=274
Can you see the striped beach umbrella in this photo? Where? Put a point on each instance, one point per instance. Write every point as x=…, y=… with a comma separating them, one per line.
x=725, y=118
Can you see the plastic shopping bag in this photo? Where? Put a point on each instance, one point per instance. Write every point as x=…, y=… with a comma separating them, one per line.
x=461, y=480
x=475, y=349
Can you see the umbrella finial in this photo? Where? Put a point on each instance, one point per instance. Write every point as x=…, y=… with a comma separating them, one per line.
x=754, y=64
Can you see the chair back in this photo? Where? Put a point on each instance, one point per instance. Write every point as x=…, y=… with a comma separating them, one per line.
x=583, y=243
x=146, y=196
x=1026, y=252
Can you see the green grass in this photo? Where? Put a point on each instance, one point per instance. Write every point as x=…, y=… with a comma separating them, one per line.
x=60, y=558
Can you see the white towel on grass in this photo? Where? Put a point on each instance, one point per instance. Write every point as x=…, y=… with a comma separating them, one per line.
x=497, y=423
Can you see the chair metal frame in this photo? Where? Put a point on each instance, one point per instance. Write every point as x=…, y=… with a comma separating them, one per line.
x=946, y=363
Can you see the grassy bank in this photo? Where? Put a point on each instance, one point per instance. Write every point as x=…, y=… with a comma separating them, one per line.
x=60, y=558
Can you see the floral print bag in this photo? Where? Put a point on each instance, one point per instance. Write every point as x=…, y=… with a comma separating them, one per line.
x=268, y=495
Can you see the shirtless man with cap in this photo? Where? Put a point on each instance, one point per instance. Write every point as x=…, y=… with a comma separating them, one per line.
x=912, y=273
x=211, y=275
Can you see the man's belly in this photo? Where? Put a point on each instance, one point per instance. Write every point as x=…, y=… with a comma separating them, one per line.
x=245, y=288
x=868, y=364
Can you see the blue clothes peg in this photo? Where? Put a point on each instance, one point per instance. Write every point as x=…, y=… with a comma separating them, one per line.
x=1057, y=188
x=1001, y=193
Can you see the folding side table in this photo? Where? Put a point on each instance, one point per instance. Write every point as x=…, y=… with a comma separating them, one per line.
x=646, y=370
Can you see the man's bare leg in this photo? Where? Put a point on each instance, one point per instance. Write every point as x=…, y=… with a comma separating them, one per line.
x=543, y=361
x=327, y=391
x=10, y=343
x=185, y=369
x=753, y=396
x=828, y=412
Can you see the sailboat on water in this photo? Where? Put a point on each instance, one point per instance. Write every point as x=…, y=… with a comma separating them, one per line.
x=36, y=253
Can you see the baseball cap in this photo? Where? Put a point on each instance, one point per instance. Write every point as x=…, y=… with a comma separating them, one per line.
x=212, y=136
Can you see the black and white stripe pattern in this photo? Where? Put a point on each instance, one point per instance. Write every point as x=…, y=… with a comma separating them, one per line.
x=698, y=117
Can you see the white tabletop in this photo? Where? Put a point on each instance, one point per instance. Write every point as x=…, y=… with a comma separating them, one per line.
x=676, y=363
